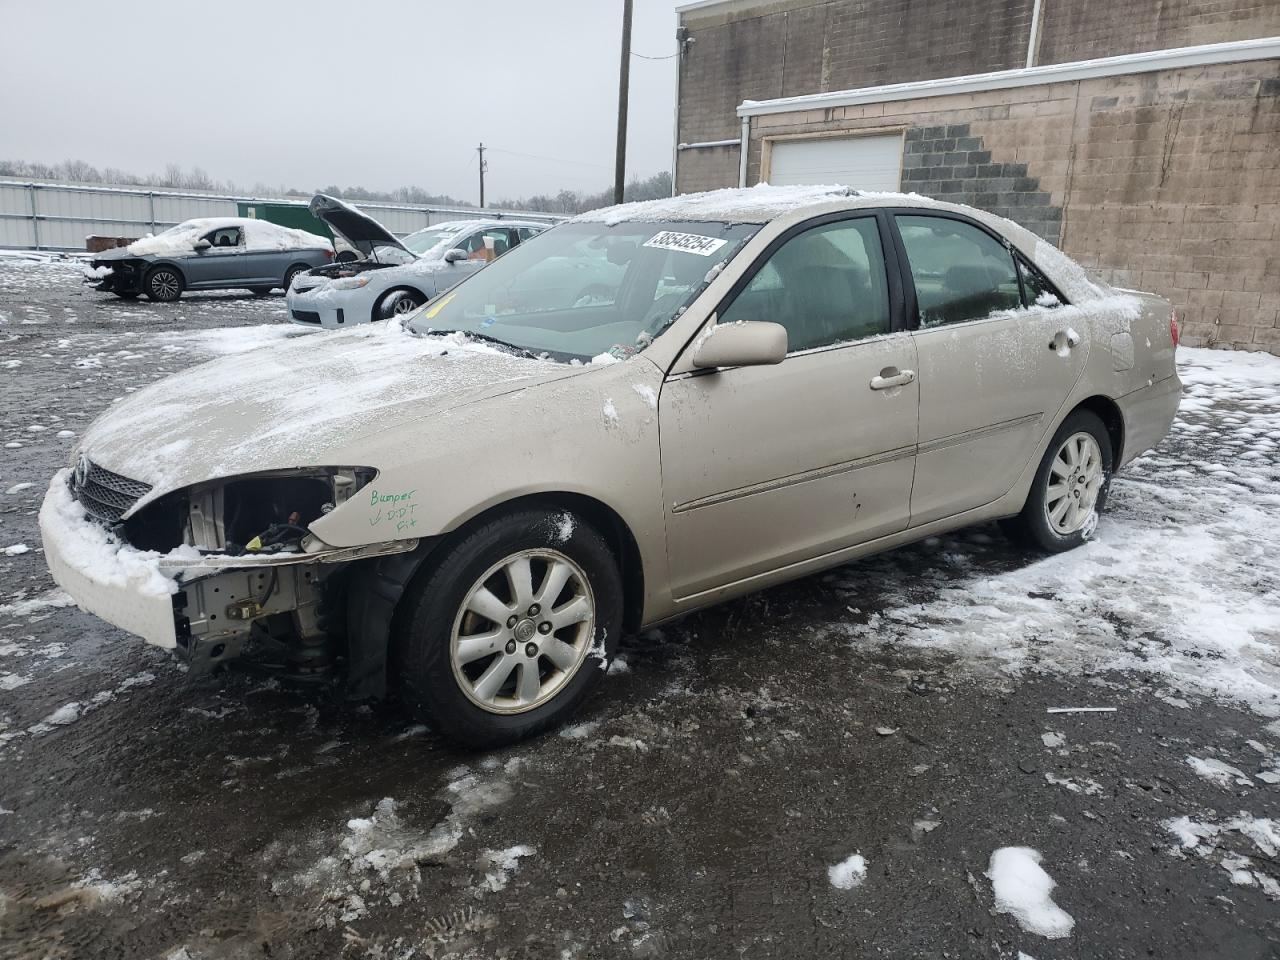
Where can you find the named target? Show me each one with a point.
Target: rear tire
(163, 284)
(260, 291)
(1070, 487)
(398, 303)
(510, 629)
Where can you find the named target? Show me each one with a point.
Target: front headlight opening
(265, 513)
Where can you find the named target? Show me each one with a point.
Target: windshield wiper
(522, 351)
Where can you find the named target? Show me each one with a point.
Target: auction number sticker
(685, 243)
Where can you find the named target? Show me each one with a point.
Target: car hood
(358, 229)
(115, 253)
(316, 399)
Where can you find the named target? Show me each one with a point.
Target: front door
(993, 373)
(768, 466)
(222, 265)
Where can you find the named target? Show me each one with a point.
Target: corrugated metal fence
(46, 215)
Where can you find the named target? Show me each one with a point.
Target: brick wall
(761, 49)
(1165, 181)
(1086, 29)
(783, 48)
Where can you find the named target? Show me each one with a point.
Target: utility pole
(484, 166)
(624, 83)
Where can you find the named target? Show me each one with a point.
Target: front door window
(826, 286)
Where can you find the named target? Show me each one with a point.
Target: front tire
(398, 303)
(1070, 487)
(260, 291)
(163, 284)
(511, 629)
(126, 294)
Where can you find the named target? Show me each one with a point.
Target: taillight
(328, 255)
(1173, 327)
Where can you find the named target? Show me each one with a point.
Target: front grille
(105, 496)
(306, 316)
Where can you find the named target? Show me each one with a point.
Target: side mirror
(202, 245)
(750, 343)
(454, 255)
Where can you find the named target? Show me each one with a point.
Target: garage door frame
(766, 144)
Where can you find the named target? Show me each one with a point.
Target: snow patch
(1215, 771)
(1022, 889)
(848, 873)
(647, 394)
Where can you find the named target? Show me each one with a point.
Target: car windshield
(583, 289)
(425, 240)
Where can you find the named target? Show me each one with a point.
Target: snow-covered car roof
(764, 203)
(258, 235)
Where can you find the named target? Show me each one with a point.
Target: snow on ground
(1211, 840)
(1022, 888)
(848, 873)
(1181, 583)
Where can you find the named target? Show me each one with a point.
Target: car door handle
(1063, 341)
(892, 377)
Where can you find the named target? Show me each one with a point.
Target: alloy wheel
(404, 305)
(164, 285)
(523, 631)
(1075, 478)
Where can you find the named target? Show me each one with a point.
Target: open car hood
(358, 229)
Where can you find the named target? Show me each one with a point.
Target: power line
(670, 56)
(534, 156)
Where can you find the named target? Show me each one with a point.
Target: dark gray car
(209, 254)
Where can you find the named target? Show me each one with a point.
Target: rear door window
(961, 272)
(1036, 287)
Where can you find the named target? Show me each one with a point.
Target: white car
(395, 276)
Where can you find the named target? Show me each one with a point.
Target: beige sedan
(471, 506)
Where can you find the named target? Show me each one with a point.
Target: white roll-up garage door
(865, 163)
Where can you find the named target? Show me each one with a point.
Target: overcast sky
(378, 93)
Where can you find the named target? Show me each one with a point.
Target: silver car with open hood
(393, 276)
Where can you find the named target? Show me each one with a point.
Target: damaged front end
(247, 570)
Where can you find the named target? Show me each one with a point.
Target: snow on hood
(757, 204)
(258, 235)
(358, 229)
(307, 401)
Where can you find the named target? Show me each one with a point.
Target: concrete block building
(1141, 136)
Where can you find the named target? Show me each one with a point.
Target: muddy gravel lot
(887, 719)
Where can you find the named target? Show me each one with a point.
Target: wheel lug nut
(511, 622)
(531, 650)
(544, 627)
(534, 610)
(511, 646)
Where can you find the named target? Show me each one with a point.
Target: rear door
(222, 265)
(267, 267)
(994, 372)
(769, 466)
